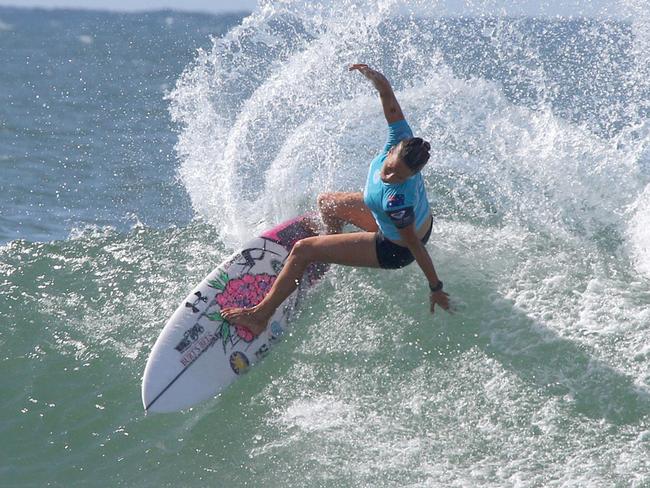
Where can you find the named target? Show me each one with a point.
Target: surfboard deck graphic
(198, 353)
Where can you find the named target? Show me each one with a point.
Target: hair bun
(414, 152)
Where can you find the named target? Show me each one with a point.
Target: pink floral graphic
(245, 292)
(244, 333)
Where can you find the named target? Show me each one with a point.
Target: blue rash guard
(395, 206)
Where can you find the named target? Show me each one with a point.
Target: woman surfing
(393, 213)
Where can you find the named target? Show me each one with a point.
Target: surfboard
(198, 353)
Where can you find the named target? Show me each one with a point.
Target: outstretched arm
(392, 110)
(423, 259)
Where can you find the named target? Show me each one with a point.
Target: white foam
(318, 414)
(639, 232)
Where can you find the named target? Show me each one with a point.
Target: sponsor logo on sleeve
(402, 218)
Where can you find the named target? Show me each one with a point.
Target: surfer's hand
(439, 298)
(363, 68)
(376, 77)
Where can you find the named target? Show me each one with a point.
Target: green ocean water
(538, 185)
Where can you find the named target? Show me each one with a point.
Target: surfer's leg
(353, 249)
(339, 208)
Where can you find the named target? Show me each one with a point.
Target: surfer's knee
(303, 250)
(325, 202)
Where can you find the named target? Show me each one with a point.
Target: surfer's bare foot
(250, 318)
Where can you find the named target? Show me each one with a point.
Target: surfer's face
(396, 167)
(402, 172)
(413, 152)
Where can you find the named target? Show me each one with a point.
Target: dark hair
(414, 151)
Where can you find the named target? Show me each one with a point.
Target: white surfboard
(198, 353)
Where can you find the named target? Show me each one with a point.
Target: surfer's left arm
(422, 257)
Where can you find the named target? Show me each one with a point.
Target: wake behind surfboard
(198, 353)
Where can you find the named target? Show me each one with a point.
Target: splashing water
(538, 179)
(270, 116)
(539, 183)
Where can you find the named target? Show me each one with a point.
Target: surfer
(393, 213)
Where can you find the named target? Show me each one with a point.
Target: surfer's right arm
(392, 110)
(422, 257)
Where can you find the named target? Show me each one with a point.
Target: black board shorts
(394, 256)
